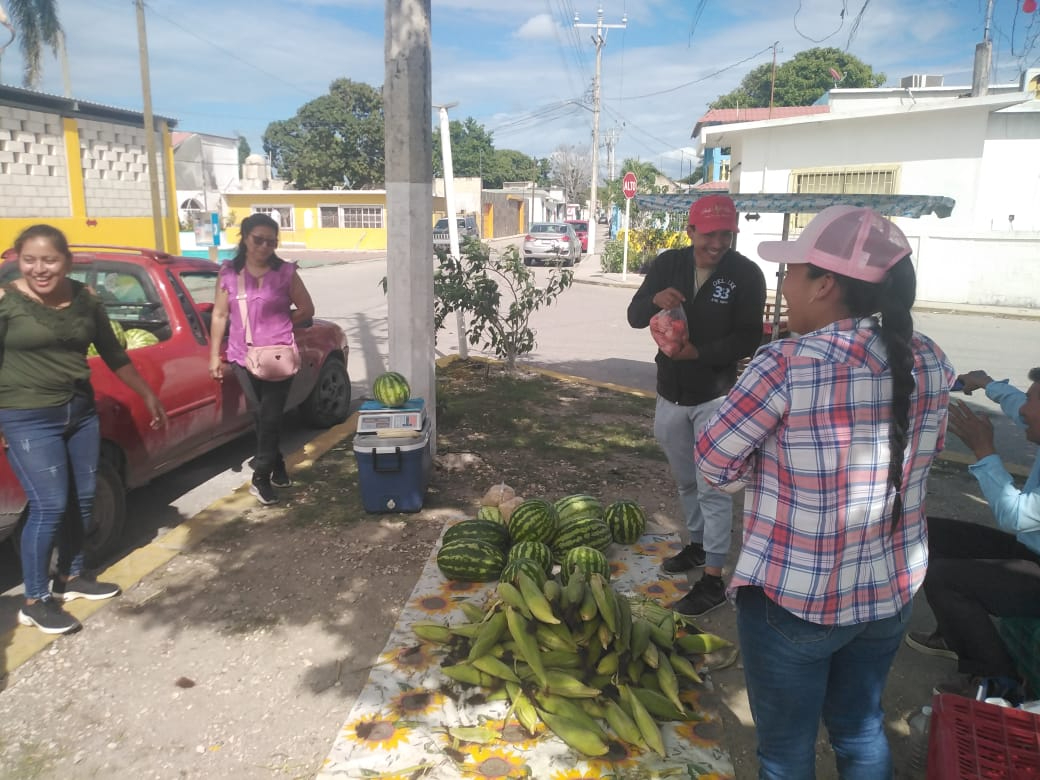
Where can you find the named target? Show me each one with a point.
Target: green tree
(472, 148)
(646, 174)
(511, 165)
(243, 152)
(334, 140)
(800, 81)
(35, 24)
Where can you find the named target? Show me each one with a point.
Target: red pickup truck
(171, 297)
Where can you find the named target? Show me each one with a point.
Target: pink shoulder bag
(273, 363)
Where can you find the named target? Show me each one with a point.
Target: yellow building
(318, 219)
(82, 167)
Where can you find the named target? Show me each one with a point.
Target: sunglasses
(261, 241)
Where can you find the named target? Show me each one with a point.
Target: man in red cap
(722, 295)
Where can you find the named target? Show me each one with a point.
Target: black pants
(267, 400)
(975, 572)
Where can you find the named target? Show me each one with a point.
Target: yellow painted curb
(21, 644)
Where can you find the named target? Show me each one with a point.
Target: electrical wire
(229, 53)
(704, 78)
(696, 20)
(562, 48)
(856, 23)
(794, 21)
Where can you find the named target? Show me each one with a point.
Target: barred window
(842, 181)
(283, 215)
(362, 216)
(329, 216)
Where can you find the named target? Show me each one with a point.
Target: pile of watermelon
(512, 534)
(132, 338)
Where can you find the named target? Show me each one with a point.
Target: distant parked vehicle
(581, 227)
(467, 227)
(553, 241)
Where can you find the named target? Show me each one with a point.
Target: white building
(205, 167)
(984, 152)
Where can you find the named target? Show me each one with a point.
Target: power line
(794, 21)
(696, 20)
(856, 23)
(228, 52)
(704, 78)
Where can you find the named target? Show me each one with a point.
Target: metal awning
(787, 203)
(913, 206)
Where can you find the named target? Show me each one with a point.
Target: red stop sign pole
(628, 186)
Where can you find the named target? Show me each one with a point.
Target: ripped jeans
(51, 450)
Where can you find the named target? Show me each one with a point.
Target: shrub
(644, 244)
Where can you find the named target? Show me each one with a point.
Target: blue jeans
(798, 672)
(48, 450)
(707, 512)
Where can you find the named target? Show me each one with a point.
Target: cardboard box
(393, 473)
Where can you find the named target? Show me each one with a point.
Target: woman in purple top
(277, 300)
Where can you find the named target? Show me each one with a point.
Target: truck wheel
(106, 533)
(329, 401)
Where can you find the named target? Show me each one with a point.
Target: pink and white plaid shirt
(806, 430)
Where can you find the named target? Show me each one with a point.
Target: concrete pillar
(407, 107)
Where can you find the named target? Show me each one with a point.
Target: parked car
(554, 241)
(172, 298)
(467, 228)
(581, 227)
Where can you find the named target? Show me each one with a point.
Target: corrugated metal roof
(43, 101)
(723, 116)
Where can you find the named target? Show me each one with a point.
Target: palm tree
(35, 23)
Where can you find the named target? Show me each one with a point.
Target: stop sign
(628, 185)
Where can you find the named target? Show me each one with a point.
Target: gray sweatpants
(708, 512)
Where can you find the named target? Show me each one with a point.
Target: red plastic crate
(972, 740)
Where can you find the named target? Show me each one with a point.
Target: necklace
(700, 276)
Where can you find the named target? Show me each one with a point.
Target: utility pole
(983, 58)
(611, 142)
(449, 206)
(772, 80)
(149, 128)
(407, 104)
(600, 40)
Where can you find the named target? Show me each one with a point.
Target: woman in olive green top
(47, 417)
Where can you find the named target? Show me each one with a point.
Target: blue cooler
(393, 472)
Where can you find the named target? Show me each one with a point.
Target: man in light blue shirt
(975, 572)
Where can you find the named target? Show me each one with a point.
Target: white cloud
(538, 28)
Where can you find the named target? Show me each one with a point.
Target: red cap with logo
(712, 213)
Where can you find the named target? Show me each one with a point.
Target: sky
(518, 67)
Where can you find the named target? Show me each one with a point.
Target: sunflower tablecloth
(398, 727)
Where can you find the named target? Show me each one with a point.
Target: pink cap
(713, 212)
(847, 240)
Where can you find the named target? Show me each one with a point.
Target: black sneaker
(706, 594)
(261, 488)
(689, 557)
(81, 587)
(930, 644)
(48, 616)
(280, 477)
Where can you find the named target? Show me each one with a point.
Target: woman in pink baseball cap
(833, 434)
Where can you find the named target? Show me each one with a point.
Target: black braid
(892, 298)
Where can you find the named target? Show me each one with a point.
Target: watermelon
(588, 531)
(470, 560)
(577, 506)
(391, 389)
(533, 520)
(626, 520)
(138, 337)
(483, 530)
(537, 551)
(531, 568)
(120, 333)
(492, 513)
(587, 560)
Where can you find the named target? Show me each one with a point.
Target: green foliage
(646, 173)
(800, 81)
(473, 153)
(498, 295)
(644, 244)
(35, 24)
(243, 152)
(334, 140)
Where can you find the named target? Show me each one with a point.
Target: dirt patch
(243, 656)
